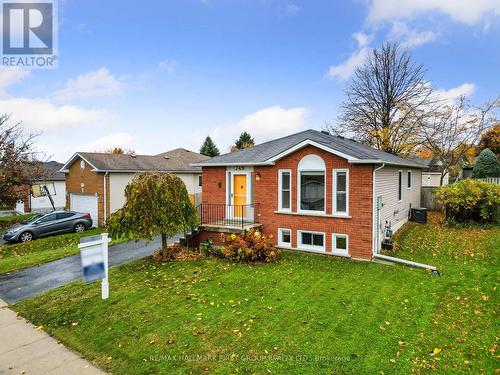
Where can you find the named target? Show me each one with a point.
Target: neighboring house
(312, 191)
(431, 174)
(55, 182)
(95, 182)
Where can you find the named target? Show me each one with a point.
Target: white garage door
(85, 203)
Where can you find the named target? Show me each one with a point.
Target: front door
(239, 195)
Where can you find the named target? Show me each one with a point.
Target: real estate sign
(94, 257)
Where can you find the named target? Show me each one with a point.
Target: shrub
(175, 252)
(252, 246)
(469, 200)
(486, 165)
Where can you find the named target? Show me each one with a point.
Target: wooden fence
(428, 198)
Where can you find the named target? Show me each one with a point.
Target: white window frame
(200, 180)
(281, 243)
(301, 246)
(400, 186)
(334, 244)
(334, 191)
(280, 185)
(409, 176)
(299, 171)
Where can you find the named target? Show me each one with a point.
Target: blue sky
(156, 75)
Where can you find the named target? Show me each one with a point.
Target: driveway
(18, 285)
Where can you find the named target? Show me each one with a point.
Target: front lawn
(22, 255)
(7, 221)
(306, 314)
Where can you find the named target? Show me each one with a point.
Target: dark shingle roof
(261, 153)
(52, 171)
(177, 160)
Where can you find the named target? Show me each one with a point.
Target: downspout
(376, 250)
(105, 197)
(376, 239)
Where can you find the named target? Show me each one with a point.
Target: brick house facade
(359, 227)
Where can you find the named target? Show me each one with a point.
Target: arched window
(311, 175)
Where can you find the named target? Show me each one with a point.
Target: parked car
(55, 222)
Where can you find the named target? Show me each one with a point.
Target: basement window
(314, 241)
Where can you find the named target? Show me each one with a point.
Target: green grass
(22, 255)
(7, 221)
(306, 314)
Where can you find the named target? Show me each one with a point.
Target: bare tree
(454, 129)
(19, 164)
(386, 101)
(119, 151)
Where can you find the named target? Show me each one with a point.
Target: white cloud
(169, 65)
(346, 69)
(42, 115)
(362, 39)
(466, 11)
(264, 124)
(123, 140)
(292, 9)
(9, 77)
(465, 89)
(97, 83)
(410, 38)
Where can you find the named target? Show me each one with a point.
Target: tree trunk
(164, 241)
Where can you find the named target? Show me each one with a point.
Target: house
(312, 191)
(95, 182)
(55, 182)
(431, 173)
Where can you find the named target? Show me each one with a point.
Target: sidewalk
(24, 350)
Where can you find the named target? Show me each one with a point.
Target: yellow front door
(240, 194)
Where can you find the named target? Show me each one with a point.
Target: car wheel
(26, 237)
(79, 228)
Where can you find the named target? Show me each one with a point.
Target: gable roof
(177, 160)
(267, 153)
(52, 171)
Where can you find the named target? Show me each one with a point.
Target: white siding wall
(433, 179)
(386, 185)
(118, 182)
(42, 204)
(191, 182)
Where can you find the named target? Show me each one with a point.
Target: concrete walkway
(25, 350)
(18, 285)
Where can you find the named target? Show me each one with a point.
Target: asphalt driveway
(18, 285)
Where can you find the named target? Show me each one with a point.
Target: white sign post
(94, 256)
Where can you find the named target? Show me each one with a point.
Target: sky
(157, 75)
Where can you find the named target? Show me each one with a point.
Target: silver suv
(56, 222)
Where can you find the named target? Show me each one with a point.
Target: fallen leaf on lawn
(436, 351)
(477, 312)
(485, 297)
(39, 328)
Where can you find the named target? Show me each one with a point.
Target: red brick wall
(358, 227)
(93, 184)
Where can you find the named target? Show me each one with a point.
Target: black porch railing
(228, 215)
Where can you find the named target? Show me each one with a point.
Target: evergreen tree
(244, 141)
(487, 165)
(209, 148)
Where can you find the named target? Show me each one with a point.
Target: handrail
(229, 215)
